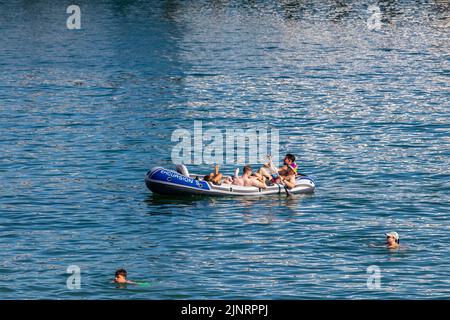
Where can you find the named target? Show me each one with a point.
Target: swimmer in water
(121, 277)
(392, 240)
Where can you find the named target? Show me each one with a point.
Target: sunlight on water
(85, 113)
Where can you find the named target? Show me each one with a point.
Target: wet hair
(246, 169)
(121, 272)
(290, 156)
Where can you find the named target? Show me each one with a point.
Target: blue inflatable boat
(180, 182)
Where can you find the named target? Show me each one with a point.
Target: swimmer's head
(121, 273)
(392, 238)
(247, 169)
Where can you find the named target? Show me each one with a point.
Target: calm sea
(361, 97)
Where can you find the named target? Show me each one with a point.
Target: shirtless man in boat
(247, 179)
(286, 174)
(268, 173)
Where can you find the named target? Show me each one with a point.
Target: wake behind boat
(180, 182)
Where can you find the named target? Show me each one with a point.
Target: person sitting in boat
(287, 173)
(247, 179)
(287, 176)
(214, 177)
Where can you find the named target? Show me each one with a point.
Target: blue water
(85, 113)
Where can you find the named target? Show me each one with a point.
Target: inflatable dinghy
(180, 182)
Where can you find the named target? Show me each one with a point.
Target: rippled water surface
(85, 113)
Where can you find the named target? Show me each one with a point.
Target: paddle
(288, 193)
